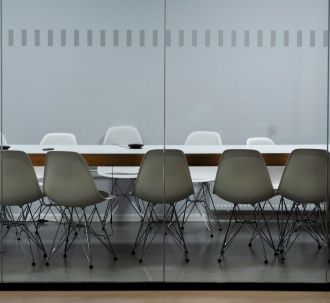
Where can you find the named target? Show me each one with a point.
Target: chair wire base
(237, 218)
(150, 227)
(113, 205)
(298, 219)
(200, 201)
(21, 224)
(71, 230)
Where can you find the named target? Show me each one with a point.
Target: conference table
(116, 161)
(197, 155)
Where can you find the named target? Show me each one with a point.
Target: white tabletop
(198, 173)
(187, 149)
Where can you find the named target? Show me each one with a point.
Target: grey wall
(245, 89)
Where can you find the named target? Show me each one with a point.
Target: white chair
(150, 188)
(19, 188)
(121, 136)
(243, 179)
(274, 171)
(203, 138)
(202, 176)
(59, 139)
(259, 141)
(54, 139)
(51, 139)
(69, 183)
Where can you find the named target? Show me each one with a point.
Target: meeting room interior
(164, 143)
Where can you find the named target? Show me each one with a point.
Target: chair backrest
(164, 167)
(243, 177)
(18, 182)
(304, 177)
(203, 138)
(122, 135)
(68, 181)
(260, 141)
(59, 139)
(4, 141)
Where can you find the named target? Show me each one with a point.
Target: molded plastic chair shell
(203, 138)
(150, 183)
(68, 181)
(260, 141)
(304, 177)
(122, 135)
(18, 180)
(243, 178)
(59, 139)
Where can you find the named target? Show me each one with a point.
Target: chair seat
(118, 172)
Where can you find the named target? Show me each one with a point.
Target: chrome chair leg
(237, 218)
(172, 227)
(25, 228)
(89, 251)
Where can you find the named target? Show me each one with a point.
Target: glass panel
(2, 143)
(82, 67)
(236, 69)
(243, 69)
(326, 228)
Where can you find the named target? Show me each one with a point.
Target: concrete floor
(305, 263)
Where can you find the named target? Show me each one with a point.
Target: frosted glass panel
(83, 77)
(255, 74)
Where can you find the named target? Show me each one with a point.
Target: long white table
(206, 155)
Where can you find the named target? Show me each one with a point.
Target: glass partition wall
(164, 141)
(90, 78)
(241, 77)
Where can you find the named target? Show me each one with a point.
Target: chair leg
(181, 234)
(259, 231)
(254, 233)
(184, 214)
(89, 251)
(283, 226)
(271, 241)
(146, 236)
(25, 228)
(192, 204)
(222, 250)
(208, 215)
(68, 234)
(140, 234)
(259, 208)
(36, 238)
(213, 206)
(109, 244)
(55, 245)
